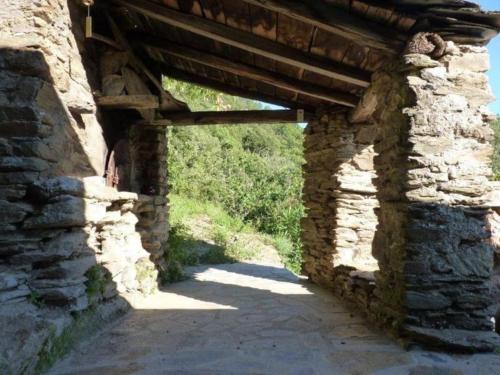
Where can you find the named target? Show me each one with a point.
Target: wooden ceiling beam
(247, 71)
(248, 42)
(128, 102)
(212, 84)
(233, 118)
(339, 22)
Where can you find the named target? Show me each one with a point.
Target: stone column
(150, 180)
(340, 199)
(432, 243)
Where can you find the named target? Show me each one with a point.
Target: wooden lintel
(248, 42)
(228, 89)
(339, 22)
(247, 71)
(128, 102)
(233, 118)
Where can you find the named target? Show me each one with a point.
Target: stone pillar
(340, 199)
(150, 180)
(433, 165)
(317, 226)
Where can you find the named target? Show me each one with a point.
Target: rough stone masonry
(427, 181)
(71, 248)
(400, 218)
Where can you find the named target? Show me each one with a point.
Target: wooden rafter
(248, 42)
(233, 117)
(128, 102)
(188, 77)
(339, 22)
(167, 100)
(247, 71)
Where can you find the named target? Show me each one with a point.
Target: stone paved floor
(253, 319)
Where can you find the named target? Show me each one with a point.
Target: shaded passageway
(253, 319)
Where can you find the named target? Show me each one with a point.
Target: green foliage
(220, 230)
(496, 155)
(252, 172)
(97, 279)
(83, 326)
(35, 299)
(288, 253)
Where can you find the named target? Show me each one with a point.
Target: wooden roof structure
(296, 54)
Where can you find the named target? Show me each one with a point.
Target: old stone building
(402, 219)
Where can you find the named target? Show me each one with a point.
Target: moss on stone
(84, 325)
(35, 299)
(97, 279)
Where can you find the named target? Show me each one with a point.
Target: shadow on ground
(252, 319)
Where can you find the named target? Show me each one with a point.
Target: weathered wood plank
(248, 42)
(256, 74)
(232, 117)
(231, 90)
(339, 22)
(128, 102)
(167, 100)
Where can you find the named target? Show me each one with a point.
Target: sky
(494, 48)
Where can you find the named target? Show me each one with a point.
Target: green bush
(254, 172)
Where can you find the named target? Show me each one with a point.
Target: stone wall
(46, 27)
(340, 198)
(433, 242)
(67, 242)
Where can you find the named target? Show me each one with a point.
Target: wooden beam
(128, 102)
(248, 42)
(106, 40)
(243, 70)
(339, 22)
(168, 102)
(233, 118)
(212, 84)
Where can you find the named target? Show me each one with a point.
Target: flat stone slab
(253, 319)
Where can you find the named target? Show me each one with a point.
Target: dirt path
(253, 319)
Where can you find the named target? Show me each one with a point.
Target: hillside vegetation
(240, 178)
(236, 190)
(496, 156)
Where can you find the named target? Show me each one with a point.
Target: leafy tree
(253, 171)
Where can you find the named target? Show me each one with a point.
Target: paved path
(253, 319)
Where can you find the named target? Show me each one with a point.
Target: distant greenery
(222, 238)
(216, 239)
(496, 156)
(252, 172)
